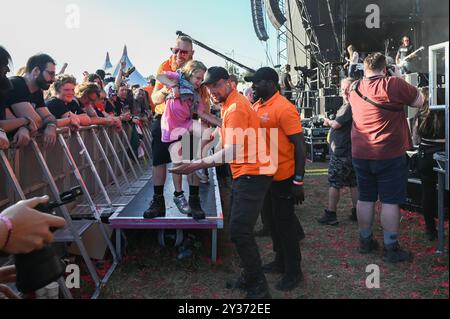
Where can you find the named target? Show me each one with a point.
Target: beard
(42, 84)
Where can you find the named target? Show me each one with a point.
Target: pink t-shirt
(177, 118)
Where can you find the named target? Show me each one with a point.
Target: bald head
(183, 50)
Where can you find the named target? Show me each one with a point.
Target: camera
(41, 267)
(391, 69)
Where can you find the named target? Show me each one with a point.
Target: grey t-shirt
(285, 81)
(340, 140)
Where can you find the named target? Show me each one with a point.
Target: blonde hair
(21, 71)
(191, 67)
(86, 88)
(188, 70)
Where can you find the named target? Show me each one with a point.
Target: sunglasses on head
(176, 51)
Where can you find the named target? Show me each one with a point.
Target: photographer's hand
(30, 228)
(7, 293)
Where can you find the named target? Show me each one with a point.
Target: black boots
(393, 253)
(328, 218)
(157, 208)
(289, 281)
(367, 245)
(196, 210)
(256, 289)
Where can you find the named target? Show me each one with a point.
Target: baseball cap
(215, 74)
(265, 73)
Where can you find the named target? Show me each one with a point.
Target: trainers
(182, 204)
(367, 245)
(354, 216)
(273, 267)
(196, 210)
(328, 218)
(393, 253)
(289, 282)
(157, 208)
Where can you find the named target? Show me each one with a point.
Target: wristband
(297, 183)
(28, 126)
(9, 226)
(298, 178)
(49, 120)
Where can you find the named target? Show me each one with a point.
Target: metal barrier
(85, 155)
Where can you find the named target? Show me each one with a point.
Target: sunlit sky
(147, 27)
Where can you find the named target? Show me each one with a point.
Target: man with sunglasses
(26, 99)
(182, 53)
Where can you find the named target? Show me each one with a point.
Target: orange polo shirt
(168, 65)
(279, 113)
(240, 127)
(149, 89)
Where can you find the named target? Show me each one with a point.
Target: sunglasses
(176, 51)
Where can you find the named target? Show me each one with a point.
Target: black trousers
(247, 199)
(279, 212)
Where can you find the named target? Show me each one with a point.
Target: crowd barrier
(100, 160)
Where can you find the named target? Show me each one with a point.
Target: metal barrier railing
(81, 157)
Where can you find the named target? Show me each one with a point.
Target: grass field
(332, 266)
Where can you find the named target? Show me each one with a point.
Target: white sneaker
(182, 204)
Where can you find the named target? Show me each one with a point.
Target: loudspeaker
(258, 20)
(276, 17)
(330, 104)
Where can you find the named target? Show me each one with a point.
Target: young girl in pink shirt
(184, 105)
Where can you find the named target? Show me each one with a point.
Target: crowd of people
(262, 142)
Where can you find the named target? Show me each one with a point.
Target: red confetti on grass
(345, 265)
(444, 284)
(436, 292)
(416, 295)
(442, 268)
(198, 290)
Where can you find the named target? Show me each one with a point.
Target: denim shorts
(384, 180)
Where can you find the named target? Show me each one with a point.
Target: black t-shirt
(285, 79)
(405, 51)
(120, 106)
(2, 108)
(58, 107)
(109, 107)
(21, 93)
(340, 140)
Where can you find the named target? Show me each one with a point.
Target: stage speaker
(412, 78)
(276, 17)
(329, 105)
(258, 20)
